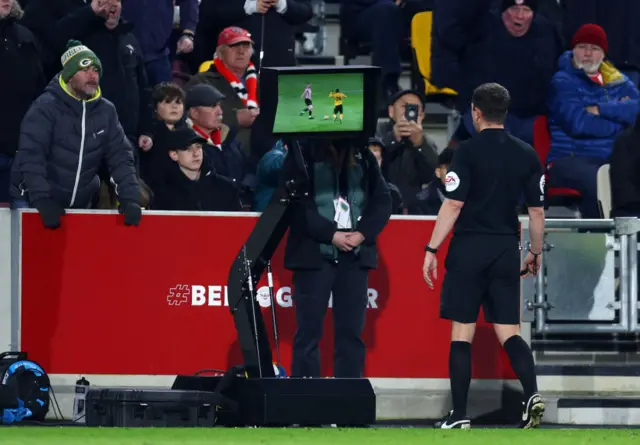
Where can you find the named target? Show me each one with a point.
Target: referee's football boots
(450, 422)
(533, 411)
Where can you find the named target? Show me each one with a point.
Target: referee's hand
(531, 264)
(430, 269)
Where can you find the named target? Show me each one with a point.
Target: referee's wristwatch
(430, 249)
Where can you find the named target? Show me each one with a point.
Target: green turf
(299, 436)
(290, 103)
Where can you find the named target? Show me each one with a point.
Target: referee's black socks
(522, 363)
(459, 377)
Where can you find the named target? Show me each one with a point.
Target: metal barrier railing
(589, 279)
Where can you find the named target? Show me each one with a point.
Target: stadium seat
(350, 49)
(421, 24)
(564, 197)
(604, 191)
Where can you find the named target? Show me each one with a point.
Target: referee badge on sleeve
(451, 181)
(542, 183)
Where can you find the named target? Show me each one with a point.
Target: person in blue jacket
(268, 174)
(590, 104)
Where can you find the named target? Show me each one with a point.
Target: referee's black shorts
(337, 109)
(482, 270)
(307, 102)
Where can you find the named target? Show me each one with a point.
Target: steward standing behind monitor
(488, 174)
(331, 248)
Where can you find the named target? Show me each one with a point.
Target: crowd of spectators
(573, 63)
(122, 104)
(110, 109)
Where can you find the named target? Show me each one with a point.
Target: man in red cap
(279, 18)
(590, 103)
(235, 76)
(272, 24)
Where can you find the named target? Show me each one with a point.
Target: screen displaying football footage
(319, 103)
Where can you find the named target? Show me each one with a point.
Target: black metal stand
(254, 256)
(258, 397)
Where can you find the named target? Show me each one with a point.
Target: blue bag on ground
(24, 389)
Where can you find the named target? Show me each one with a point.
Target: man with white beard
(590, 103)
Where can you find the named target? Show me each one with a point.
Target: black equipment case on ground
(279, 402)
(150, 408)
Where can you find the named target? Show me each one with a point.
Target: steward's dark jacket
(309, 230)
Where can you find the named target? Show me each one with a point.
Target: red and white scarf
(597, 78)
(248, 91)
(213, 138)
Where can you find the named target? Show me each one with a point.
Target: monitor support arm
(251, 262)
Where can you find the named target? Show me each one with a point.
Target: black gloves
(50, 212)
(132, 213)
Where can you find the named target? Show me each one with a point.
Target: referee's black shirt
(490, 173)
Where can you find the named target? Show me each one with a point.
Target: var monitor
(327, 101)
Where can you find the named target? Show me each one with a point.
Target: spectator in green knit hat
(81, 70)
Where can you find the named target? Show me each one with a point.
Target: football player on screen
(338, 97)
(308, 106)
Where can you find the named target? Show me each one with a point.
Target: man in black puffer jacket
(65, 136)
(97, 24)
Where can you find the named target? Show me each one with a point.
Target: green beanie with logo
(78, 57)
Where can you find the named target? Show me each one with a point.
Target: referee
(488, 175)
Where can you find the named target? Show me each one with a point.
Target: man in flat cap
(205, 116)
(234, 75)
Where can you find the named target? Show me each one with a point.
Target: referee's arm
(457, 186)
(447, 217)
(534, 196)
(536, 228)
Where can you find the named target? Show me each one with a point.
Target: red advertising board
(102, 298)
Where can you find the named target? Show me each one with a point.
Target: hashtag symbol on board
(178, 295)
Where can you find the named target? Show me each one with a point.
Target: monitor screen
(326, 102)
(338, 102)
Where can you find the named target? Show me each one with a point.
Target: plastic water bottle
(79, 400)
(279, 371)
